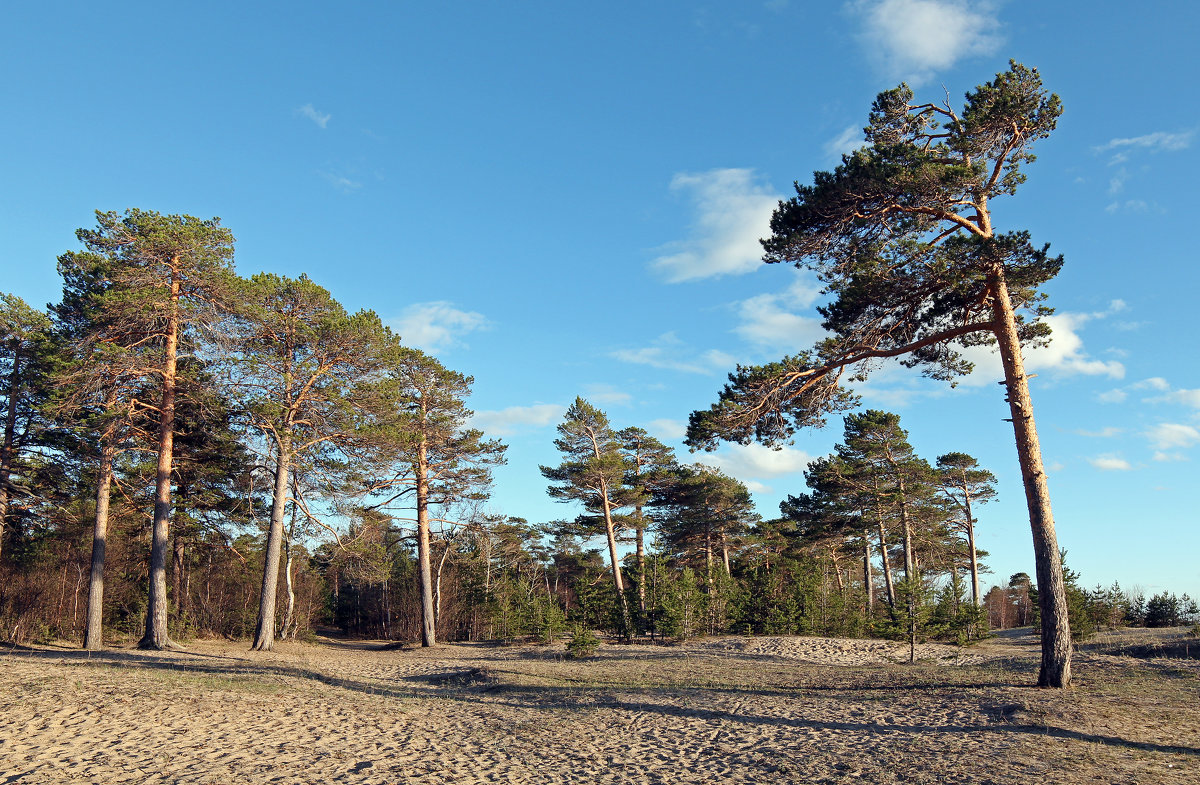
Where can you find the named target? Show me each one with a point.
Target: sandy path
(729, 710)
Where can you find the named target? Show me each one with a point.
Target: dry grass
(730, 710)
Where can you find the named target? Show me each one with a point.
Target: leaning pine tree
(901, 235)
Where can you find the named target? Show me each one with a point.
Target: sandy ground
(729, 710)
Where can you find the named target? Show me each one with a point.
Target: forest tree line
(190, 452)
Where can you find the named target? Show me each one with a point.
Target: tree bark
(437, 582)
(1055, 668)
(425, 567)
(289, 610)
(177, 554)
(264, 633)
(868, 578)
(975, 598)
(93, 636)
(611, 532)
(156, 605)
(883, 551)
(640, 552)
(8, 446)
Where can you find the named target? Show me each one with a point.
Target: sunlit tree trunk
(264, 633)
(1055, 669)
(424, 562)
(156, 636)
(93, 636)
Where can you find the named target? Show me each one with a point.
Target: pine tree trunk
(640, 551)
(93, 636)
(611, 532)
(883, 551)
(975, 597)
(1052, 596)
(837, 570)
(156, 606)
(868, 578)
(177, 555)
(906, 528)
(425, 567)
(8, 448)
(289, 610)
(437, 582)
(264, 632)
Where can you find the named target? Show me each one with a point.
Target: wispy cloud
(320, 119)
(1103, 433)
(771, 321)
(1154, 389)
(667, 429)
(752, 463)
(913, 39)
(436, 326)
(341, 182)
(1157, 142)
(733, 211)
(506, 422)
(606, 394)
(1111, 462)
(1172, 436)
(1065, 355)
(670, 353)
(849, 140)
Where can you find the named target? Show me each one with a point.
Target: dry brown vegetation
(809, 710)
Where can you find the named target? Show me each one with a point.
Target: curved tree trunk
(1052, 595)
(93, 636)
(156, 606)
(264, 632)
(611, 532)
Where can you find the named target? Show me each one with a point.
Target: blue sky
(564, 199)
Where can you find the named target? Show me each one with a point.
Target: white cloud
(667, 429)
(732, 213)
(849, 140)
(1169, 457)
(1110, 462)
(757, 461)
(914, 38)
(1156, 383)
(770, 321)
(1186, 397)
(1103, 433)
(1130, 205)
(1064, 355)
(1157, 142)
(1172, 436)
(606, 394)
(670, 353)
(506, 422)
(1161, 392)
(437, 325)
(319, 118)
(341, 182)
